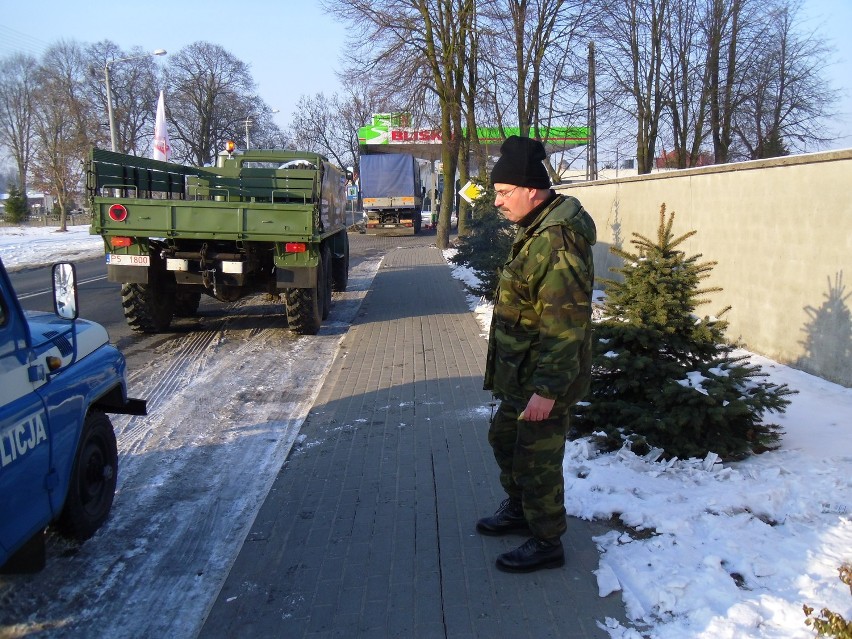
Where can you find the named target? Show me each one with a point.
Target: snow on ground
(731, 550)
(24, 246)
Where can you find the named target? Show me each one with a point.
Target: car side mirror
(65, 290)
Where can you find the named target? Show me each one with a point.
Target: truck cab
(59, 377)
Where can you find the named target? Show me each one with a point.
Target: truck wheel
(340, 268)
(304, 305)
(149, 308)
(327, 281)
(186, 303)
(92, 484)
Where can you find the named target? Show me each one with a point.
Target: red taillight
(117, 213)
(295, 247)
(119, 242)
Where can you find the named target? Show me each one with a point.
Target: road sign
(351, 193)
(470, 192)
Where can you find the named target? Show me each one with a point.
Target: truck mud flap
(296, 277)
(127, 274)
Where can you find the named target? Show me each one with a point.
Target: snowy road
(225, 406)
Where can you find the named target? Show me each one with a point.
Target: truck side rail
(126, 173)
(279, 186)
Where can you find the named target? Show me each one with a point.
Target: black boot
(534, 554)
(509, 518)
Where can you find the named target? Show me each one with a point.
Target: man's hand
(538, 409)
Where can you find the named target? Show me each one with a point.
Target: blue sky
(293, 48)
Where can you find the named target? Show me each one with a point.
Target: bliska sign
(20, 439)
(432, 136)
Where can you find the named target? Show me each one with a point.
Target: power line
(12, 41)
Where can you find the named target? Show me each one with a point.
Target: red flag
(162, 150)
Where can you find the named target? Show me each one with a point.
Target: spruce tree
(664, 378)
(487, 244)
(16, 206)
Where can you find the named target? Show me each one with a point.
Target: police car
(59, 377)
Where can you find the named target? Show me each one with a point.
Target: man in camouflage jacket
(539, 352)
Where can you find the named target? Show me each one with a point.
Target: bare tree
(329, 125)
(728, 57)
(356, 108)
(688, 81)
(631, 35)
(60, 124)
(17, 89)
(210, 96)
(533, 64)
(785, 96)
(542, 67)
(134, 86)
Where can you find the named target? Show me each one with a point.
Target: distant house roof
(31, 195)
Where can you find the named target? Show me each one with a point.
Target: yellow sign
(470, 192)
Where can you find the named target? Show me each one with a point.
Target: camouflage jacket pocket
(515, 352)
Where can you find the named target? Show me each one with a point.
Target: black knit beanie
(520, 164)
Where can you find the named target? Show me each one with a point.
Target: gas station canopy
(391, 133)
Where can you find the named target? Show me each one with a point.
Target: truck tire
(305, 305)
(149, 308)
(91, 487)
(186, 303)
(340, 268)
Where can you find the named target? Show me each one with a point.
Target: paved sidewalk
(368, 530)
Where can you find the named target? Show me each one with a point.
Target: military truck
(59, 377)
(391, 192)
(259, 221)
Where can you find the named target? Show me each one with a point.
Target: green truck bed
(258, 220)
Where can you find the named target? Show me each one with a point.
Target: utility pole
(592, 146)
(248, 123)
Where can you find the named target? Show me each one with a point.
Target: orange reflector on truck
(296, 247)
(119, 242)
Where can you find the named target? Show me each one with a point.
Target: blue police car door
(24, 431)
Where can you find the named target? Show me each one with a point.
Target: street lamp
(109, 90)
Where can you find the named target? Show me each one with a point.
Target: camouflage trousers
(530, 456)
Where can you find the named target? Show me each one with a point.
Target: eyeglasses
(505, 194)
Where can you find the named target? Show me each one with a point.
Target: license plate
(390, 226)
(128, 260)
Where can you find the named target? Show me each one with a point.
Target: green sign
(391, 128)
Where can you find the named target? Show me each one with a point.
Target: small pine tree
(487, 244)
(664, 378)
(16, 206)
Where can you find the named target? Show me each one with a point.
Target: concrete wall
(781, 232)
